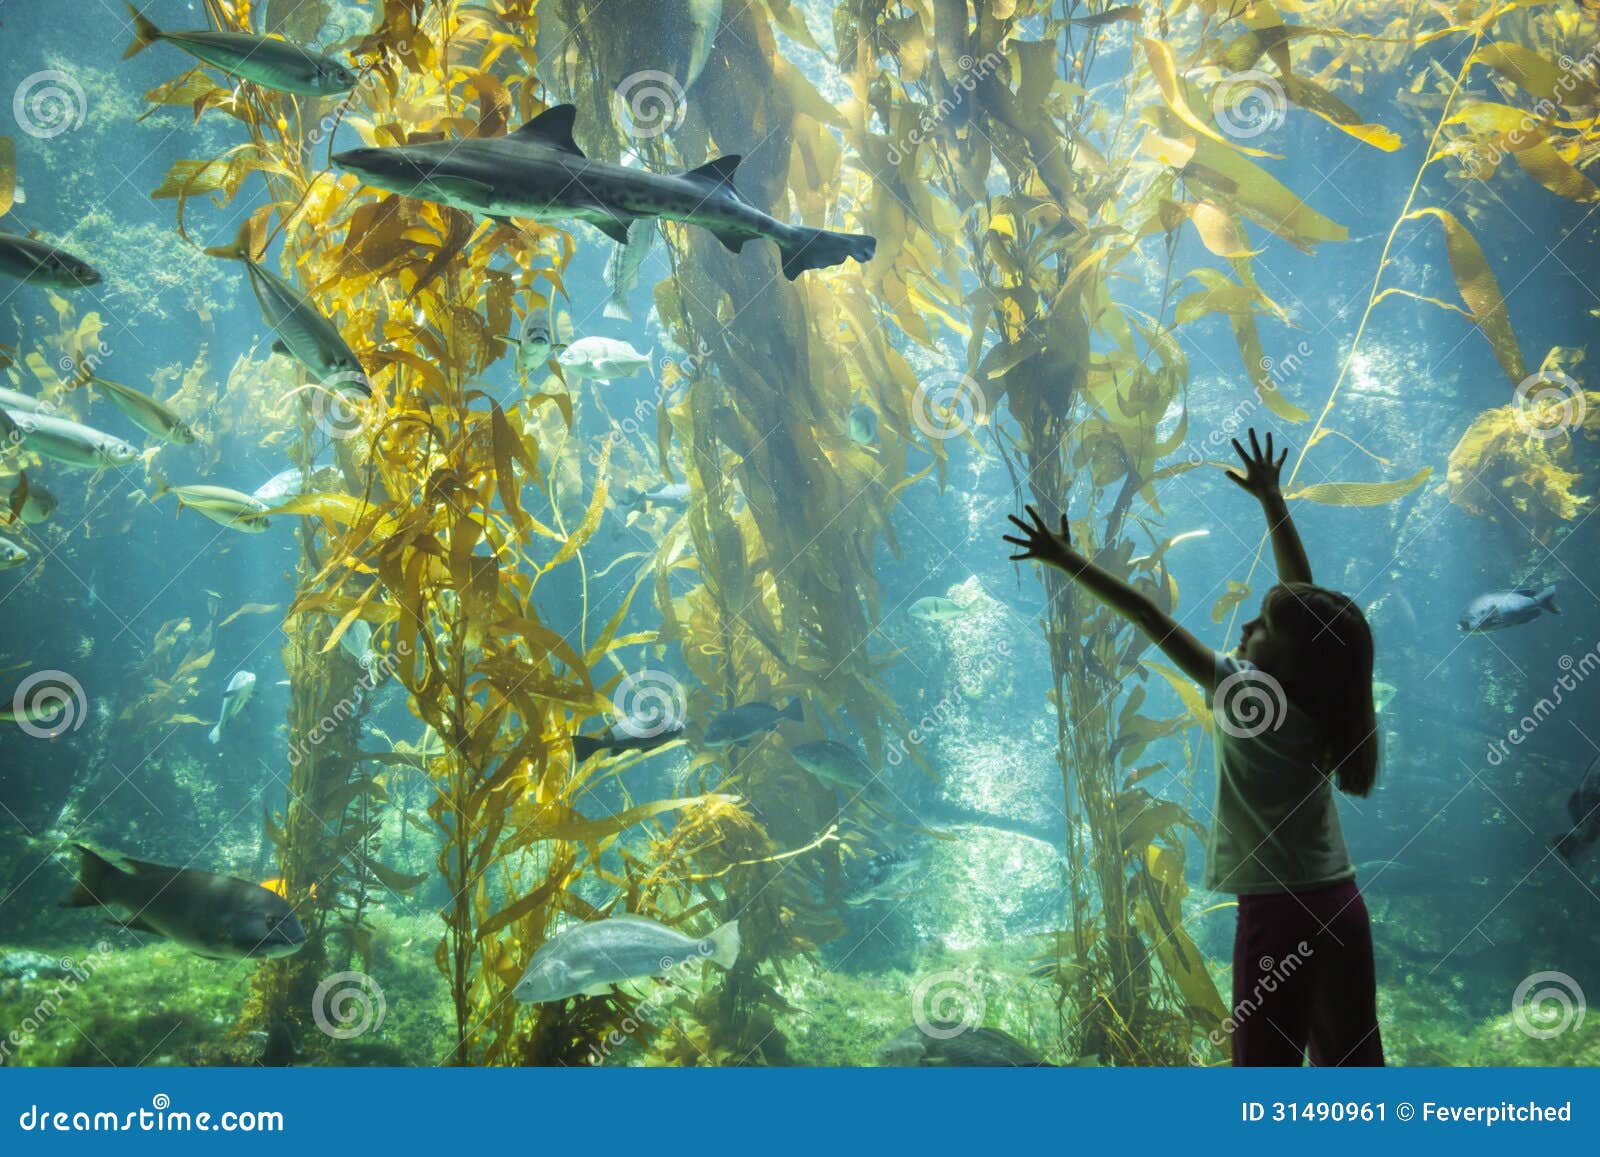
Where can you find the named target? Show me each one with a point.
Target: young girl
(1293, 715)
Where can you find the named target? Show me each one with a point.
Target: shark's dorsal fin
(552, 127)
(716, 173)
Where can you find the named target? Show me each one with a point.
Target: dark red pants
(1303, 977)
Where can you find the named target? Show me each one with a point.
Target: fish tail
(725, 945)
(144, 33)
(239, 250)
(794, 711)
(584, 746)
(1547, 599)
(804, 249)
(90, 890)
(215, 734)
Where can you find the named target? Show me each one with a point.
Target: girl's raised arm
(1260, 478)
(1192, 657)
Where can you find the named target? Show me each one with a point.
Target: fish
(1583, 808)
(1501, 609)
(674, 494)
(886, 876)
(145, 412)
(951, 1044)
(29, 501)
(1382, 695)
(622, 267)
(601, 359)
(18, 402)
(539, 173)
(748, 720)
(864, 425)
(705, 17)
(28, 260)
(626, 736)
(287, 483)
(221, 504)
(589, 958)
(240, 688)
(937, 609)
(304, 334)
(71, 442)
(357, 642)
(264, 60)
(11, 555)
(220, 917)
(534, 346)
(834, 764)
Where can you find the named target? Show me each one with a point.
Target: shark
(538, 173)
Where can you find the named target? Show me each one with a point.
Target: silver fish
(145, 412)
(622, 267)
(937, 609)
(538, 172)
(71, 442)
(221, 504)
(287, 483)
(705, 17)
(533, 345)
(590, 958)
(30, 260)
(264, 60)
(11, 555)
(1501, 609)
(864, 426)
(16, 400)
(674, 494)
(602, 359)
(240, 688)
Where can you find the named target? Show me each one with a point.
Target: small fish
(622, 267)
(1583, 808)
(240, 688)
(357, 642)
(590, 958)
(705, 17)
(145, 412)
(674, 494)
(864, 426)
(30, 502)
(287, 483)
(635, 736)
(887, 875)
(71, 442)
(222, 505)
(1382, 695)
(304, 334)
(15, 401)
(269, 62)
(216, 916)
(534, 347)
(601, 359)
(11, 555)
(1500, 609)
(952, 1044)
(937, 609)
(748, 720)
(30, 260)
(834, 764)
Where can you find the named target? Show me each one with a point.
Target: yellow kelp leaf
(248, 609)
(554, 822)
(591, 517)
(507, 449)
(8, 174)
(1341, 116)
(1479, 289)
(350, 616)
(1129, 12)
(1173, 90)
(1225, 296)
(1141, 817)
(1501, 471)
(1536, 75)
(1218, 231)
(1193, 701)
(1361, 493)
(343, 508)
(1235, 594)
(1551, 170)
(1180, 957)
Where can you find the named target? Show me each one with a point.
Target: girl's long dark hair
(1336, 682)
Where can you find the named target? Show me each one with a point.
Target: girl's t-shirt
(1275, 827)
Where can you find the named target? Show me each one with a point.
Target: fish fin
(819, 249)
(280, 349)
(615, 228)
(617, 309)
(144, 33)
(464, 187)
(552, 127)
(725, 945)
(503, 220)
(215, 734)
(732, 242)
(1547, 599)
(584, 746)
(596, 990)
(794, 711)
(717, 173)
(239, 250)
(94, 870)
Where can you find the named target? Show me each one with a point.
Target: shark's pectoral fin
(462, 189)
(553, 127)
(279, 348)
(734, 242)
(615, 228)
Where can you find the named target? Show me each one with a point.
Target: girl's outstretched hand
(1040, 542)
(1260, 475)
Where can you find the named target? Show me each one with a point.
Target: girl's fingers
(1022, 526)
(1236, 479)
(1282, 457)
(1255, 446)
(1014, 541)
(1066, 532)
(1269, 445)
(1020, 557)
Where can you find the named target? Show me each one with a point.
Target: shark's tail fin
(1547, 599)
(239, 250)
(805, 249)
(94, 870)
(584, 746)
(144, 33)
